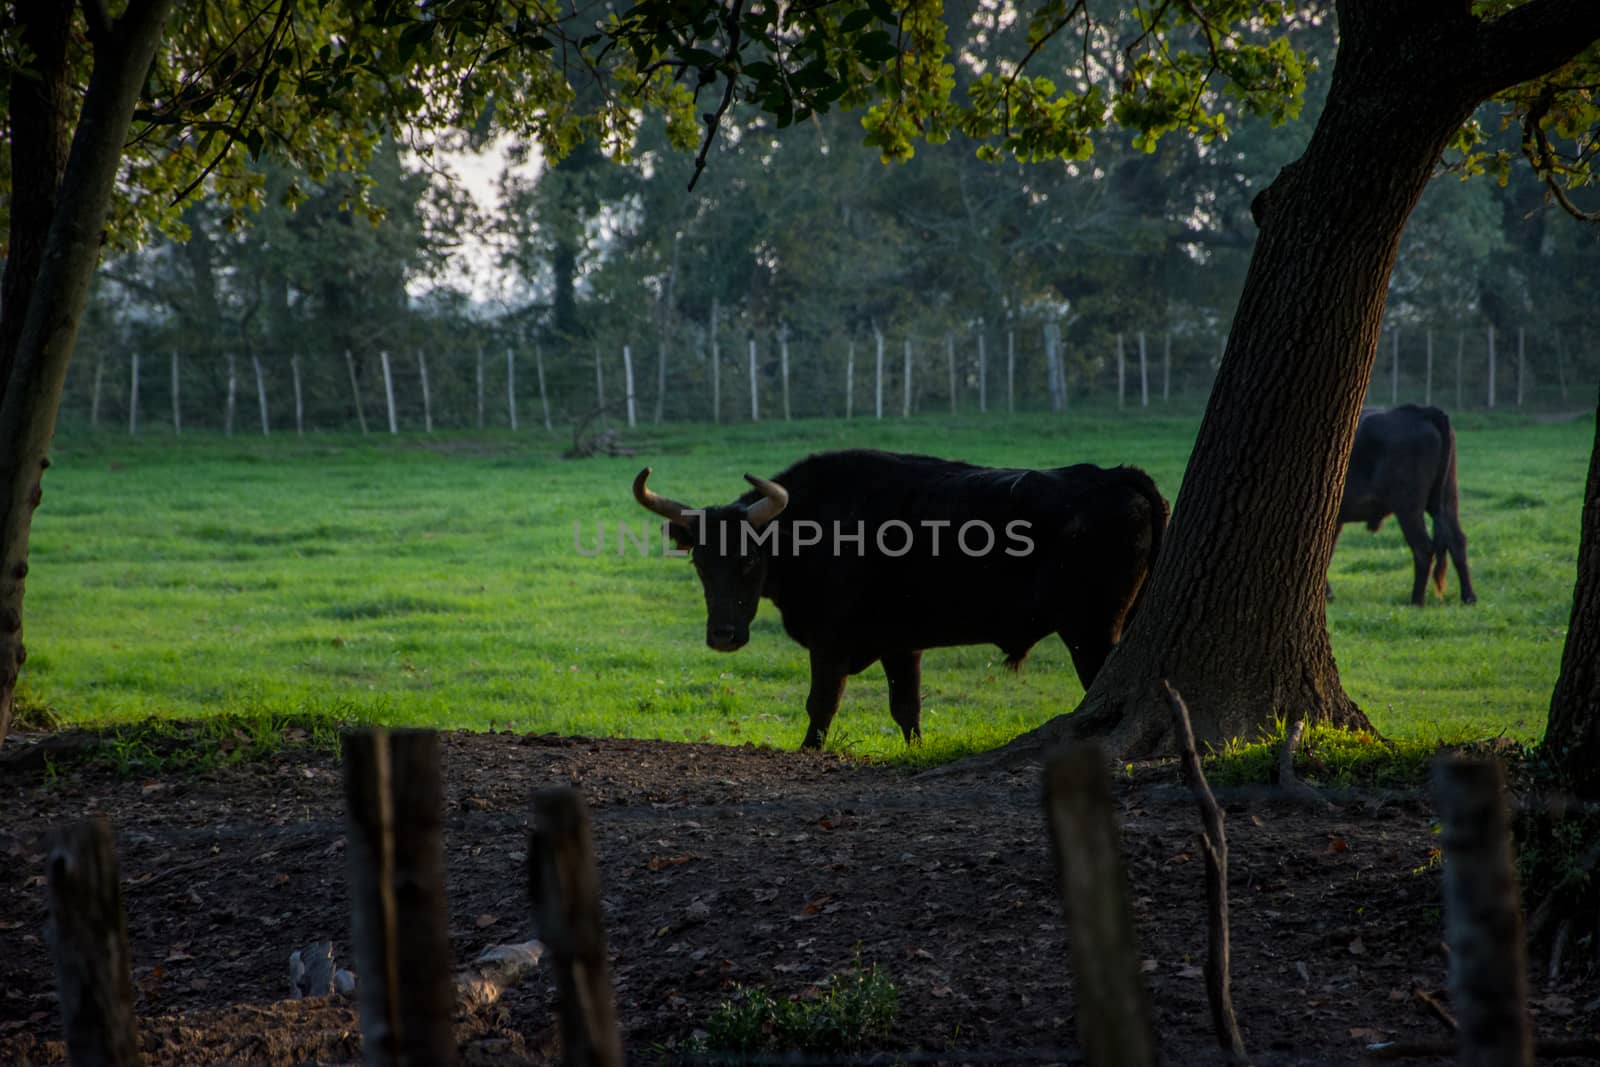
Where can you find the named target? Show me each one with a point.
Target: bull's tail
(1444, 499)
(1145, 487)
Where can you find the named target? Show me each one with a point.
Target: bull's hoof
(1469, 598)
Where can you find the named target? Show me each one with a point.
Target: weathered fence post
(133, 395)
(399, 924)
(1144, 374)
(564, 886)
(599, 388)
(89, 943)
(850, 380)
(299, 397)
(261, 393)
(878, 408)
(511, 386)
(544, 397)
(1054, 377)
(627, 384)
(1112, 1009)
(427, 394)
(1214, 844)
(1394, 370)
(716, 366)
(388, 392)
(950, 365)
(479, 383)
(983, 374)
(905, 407)
(783, 366)
(755, 402)
(355, 390)
(1011, 372)
(1522, 362)
(661, 376)
(1482, 916)
(177, 408)
(94, 389)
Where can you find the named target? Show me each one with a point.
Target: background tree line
(806, 248)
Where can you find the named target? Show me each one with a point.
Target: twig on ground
(1299, 791)
(1214, 844)
(1436, 1008)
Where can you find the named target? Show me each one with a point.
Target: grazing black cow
(1403, 463)
(880, 556)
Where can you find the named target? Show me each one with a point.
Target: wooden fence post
(427, 394)
(755, 400)
(544, 397)
(1011, 372)
(1482, 916)
(1522, 362)
(564, 886)
(905, 406)
(355, 390)
(661, 377)
(89, 943)
(511, 386)
(850, 380)
(716, 366)
(627, 384)
(878, 408)
(133, 395)
(479, 382)
(94, 389)
(177, 407)
(599, 388)
(261, 393)
(299, 397)
(950, 365)
(1394, 369)
(783, 366)
(1144, 374)
(1113, 1011)
(388, 392)
(983, 374)
(399, 924)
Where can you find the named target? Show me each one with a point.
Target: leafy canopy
(317, 83)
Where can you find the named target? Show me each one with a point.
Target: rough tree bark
(1572, 737)
(45, 294)
(1235, 614)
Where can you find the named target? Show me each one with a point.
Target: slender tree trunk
(850, 380)
(511, 386)
(230, 405)
(299, 397)
(755, 398)
(261, 393)
(1144, 374)
(1572, 737)
(1122, 375)
(427, 394)
(661, 378)
(544, 397)
(49, 291)
(627, 384)
(94, 390)
(1235, 621)
(905, 407)
(479, 382)
(878, 405)
(355, 390)
(783, 368)
(388, 392)
(983, 375)
(716, 365)
(1011, 372)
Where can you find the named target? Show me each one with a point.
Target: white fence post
(878, 409)
(388, 392)
(261, 393)
(511, 386)
(1491, 368)
(1122, 374)
(755, 402)
(427, 394)
(355, 390)
(299, 397)
(905, 406)
(177, 409)
(850, 380)
(1144, 374)
(544, 397)
(983, 374)
(133, 397)
(627, 383)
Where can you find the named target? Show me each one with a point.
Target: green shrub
(844, 1013)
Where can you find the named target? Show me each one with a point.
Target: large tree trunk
(50, 299)
(1235, 615)
(1572, 738)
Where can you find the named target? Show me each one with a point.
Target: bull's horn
(668, 509)
(774, 498)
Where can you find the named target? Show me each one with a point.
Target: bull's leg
(904, 671)
(1457, 543)
(822, 703)
(1421, 553)
(1088, 656)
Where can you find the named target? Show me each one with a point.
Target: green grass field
(435, 581)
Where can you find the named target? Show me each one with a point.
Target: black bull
(1403, 462)
(879, 556)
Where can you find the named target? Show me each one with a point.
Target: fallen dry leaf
(483, 922)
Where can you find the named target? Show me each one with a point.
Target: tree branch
(1529, 41)
(99, 20)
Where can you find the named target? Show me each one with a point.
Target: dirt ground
(739, 865)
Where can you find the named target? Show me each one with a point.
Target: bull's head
(730, 559)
